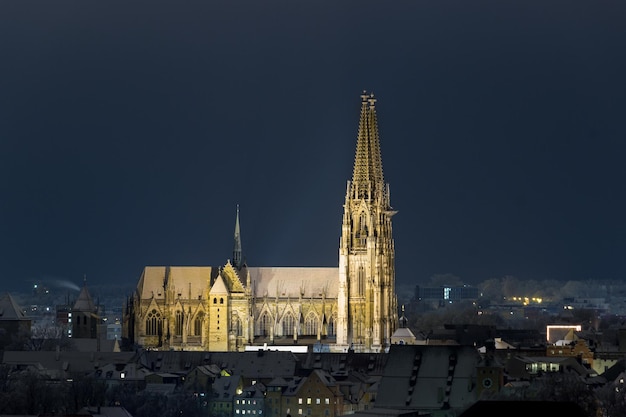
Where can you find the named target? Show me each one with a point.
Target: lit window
(308, 400)
(318, 401)
(299, 400)
(326, 400)
(299, 411)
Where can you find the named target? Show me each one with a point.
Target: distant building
(446, 294)
(14, 323)
(250, 401)
(223, 395)
(403, 335)
(225, 308)
(85, 317)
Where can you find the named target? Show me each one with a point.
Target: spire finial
(237, 242)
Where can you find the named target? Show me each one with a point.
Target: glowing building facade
(229, 307)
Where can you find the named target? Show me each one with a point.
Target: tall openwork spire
(237, 244)
(367, 179)
(366, 302)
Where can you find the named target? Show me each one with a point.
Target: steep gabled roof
(9, 310)
(183, 279)
(313, 282)
(219, 286)
(429, 377)
(84, 301)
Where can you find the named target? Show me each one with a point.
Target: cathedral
(232, 306)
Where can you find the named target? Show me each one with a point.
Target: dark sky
(130, 131)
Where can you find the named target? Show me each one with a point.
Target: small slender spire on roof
(403, 319)
(367, 178)
(237, 243)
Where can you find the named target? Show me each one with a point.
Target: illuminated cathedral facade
(229, 307)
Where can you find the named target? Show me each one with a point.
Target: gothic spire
(367, 179)
(237, 243)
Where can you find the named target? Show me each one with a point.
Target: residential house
(251, 401)
(222, 396)
(314, 395)
(14, 323)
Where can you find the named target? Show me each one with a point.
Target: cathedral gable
(231, 278)
(198, 310)
(153, 305)
(265, 309)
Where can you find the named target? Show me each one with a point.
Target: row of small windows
(317, 400)
(308, 412)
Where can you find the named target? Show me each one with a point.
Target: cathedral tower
(366, 304)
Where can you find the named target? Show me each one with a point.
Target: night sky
(130, 132)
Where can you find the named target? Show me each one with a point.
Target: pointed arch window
(331, 326)
(238, 329)
(310, 324)
(264, 324)
(178, 324)
(197, 324)
(153, 323)
(288, 324)
(362, 233)
(361, 280)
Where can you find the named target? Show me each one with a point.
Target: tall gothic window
(153, 323)
(238, 328)
(362, 229)
(197, 324)
(264, 324)
(178, 324)
(288, 323)
(331, 326)
(310, 324)
(361, 278)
